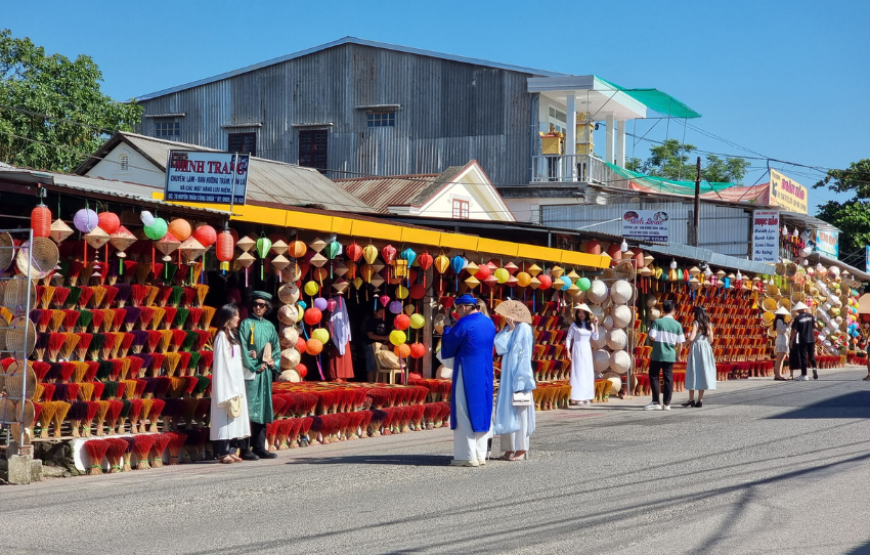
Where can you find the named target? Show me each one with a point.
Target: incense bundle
(128, 453)
(118, 317)
(431, 411)
(279, 405)
(61, 410)
(35, 316)
(55, 342)
(201, 293)
(272, 435)
(155, 413)
(171, 363)
(57, 317)
(208, 313)
(176, 388)
(96, 345)
(193, 317)
(152, 317)
(74, 271)
(165, 341)
(183, 362)
(97, 317)
(112, 415)
(306, 404)
(123, 294)
(304, 430)
(108, 321)
(175, 296)
(131, 317)
(83, 345)
(109, 298)
(40, 368)
(142, 272)
(47, 392)
(157, 363)
(190, 341)
(86, 293)
(130, 388)
(142, 445)
(99, 390)
(191, 407)
(169, 317)
(45, 418)
(154, 339)
(45, 318)
(177, 338)
(73, 298)
(205, 338)
(135, 414)
(78, 411)
(86, 391)
(151, 296)
(108, 345)
(146, 362)
(135, 367)
(293, 427)
(96, 449)
(172, 410)
(99, 295)
(60, 296)
(205, 360)
(354, 420)
(365, 423)
(163, 296)
(126, 343)
(176, 444)
(45, 295)
(140, 338)
(417, 417)
(66, 371)
(161, 442)
(181, 315)
(60, 392)
(143, 317)
(122, 417)
(116, 450)
(203, 412)
(387, 428)
(71, 340)
(203, 386)
(88, 420)
(137, 294)
(41, 344)
(188, 296)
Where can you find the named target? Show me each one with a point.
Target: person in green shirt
(668, 338)
(260, 367)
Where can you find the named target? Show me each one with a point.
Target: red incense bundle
(142, 445)
(85, 296)
(305, 430)
(115, 452)
(146, 315)
(161, 442)
(294, 425)
(96, 450)
(137, 294)
(134, 415)
(365, 423)
(169, 316)
(354, 420)
(113, 414)
(88, 420)
(155, 414)
(128, 453)
(272, 435)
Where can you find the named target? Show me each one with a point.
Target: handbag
(522, 399)
(234, 406)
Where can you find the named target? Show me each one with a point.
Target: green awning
(657, 101)
(668, 186)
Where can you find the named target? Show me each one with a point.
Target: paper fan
(515, 310)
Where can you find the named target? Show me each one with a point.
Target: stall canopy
(712, 258)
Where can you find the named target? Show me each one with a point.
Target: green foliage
(853, 219)
(43, 102)
(672, 160)
(856, 178)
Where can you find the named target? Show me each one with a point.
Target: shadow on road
(863, 549)
(388, 460)
(850, 405)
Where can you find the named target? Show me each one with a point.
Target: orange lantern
(224, 249)
(180, 228)
(40, 221)
(402, 351)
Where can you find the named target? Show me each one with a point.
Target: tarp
(658, 101)
(756, 194)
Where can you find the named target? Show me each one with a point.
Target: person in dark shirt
(376, 330)
(803, 336)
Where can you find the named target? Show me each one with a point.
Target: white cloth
(339, 321)
(227, 382)
(582, 370)
(467, 445)
(518, 440)
(781, 345)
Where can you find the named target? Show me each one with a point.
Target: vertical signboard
(206, 177)
(788, 194)
(765, 236)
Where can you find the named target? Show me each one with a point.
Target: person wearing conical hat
(582, 331)
(804, 338)
(780, 347)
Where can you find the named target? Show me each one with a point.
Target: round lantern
(206, 235)
(157, 229)
(395, 307)
(401, 322)
(402, 351)
(418, 350)
(370, 253)
(502, 275)
(584, 284)
(417, 291)
(615, 251)
(441, 264)
(313, 347)
(417, 321)
(397, 337)
(523, 279)
(86, 220)
(424, 261)
(297, 249)
(320, 303)
(313, 316)
(302, 370)
(320, 334)
(311, 288)
(545, 281)
(40, 221)
(389, 253)
(224, 249)
(402, 292)
(180, 228)
(109, 222)
(301, 344)
(564, 283)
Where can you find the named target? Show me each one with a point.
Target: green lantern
(264, 245)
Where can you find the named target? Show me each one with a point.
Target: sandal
(226, 459)
(507, 456)
(516, 457)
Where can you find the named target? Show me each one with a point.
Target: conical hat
(6, 250)
(621, 292)
(617, 339)
(783, 311)
(600, 360)
(597, 292)
(621, 316)
(620, 362)
(288, 293)
(288, 336)
(45, 257)
(599, 343)
(289, 359)
(582, 306)
(288, 314)
(799, 306)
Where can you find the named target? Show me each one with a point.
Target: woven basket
(15, 381)
(625, 270)
(7, 252)
(44, 258)
(15, 295)
(7, 411)
(15, 337)
(29, 412)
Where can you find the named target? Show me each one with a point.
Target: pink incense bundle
(161, 442)
(142, 444)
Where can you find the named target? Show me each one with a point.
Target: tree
(671, 160)
(856, 178)
(852, 218)
(52, 111)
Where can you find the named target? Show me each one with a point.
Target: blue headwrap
(465, 299)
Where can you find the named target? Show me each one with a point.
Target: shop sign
(827, 242)
(206, 177)
(787, 194)
(765, 236)
(867, 259)
(645, 225)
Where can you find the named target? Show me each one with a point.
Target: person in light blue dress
(701, 366)
(514, 424)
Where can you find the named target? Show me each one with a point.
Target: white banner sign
(765, 236)
(646, 225)
(206, 177)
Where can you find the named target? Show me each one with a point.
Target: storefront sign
(827, 242)
(207, 177)
(867, 259)
(788, 194)
(645, 225)
(765, 236)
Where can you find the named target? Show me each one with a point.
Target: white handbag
(522, 399)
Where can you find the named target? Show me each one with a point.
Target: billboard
(645, 225)
(765, 236)
(206, 177)
(827, 242)
(787, 193)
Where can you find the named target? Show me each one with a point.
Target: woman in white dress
(582, 331)
(781, 345)
(228, 388)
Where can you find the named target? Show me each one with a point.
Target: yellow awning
(347, 225)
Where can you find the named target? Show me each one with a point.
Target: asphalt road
(765, 467)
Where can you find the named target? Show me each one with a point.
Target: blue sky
(786, 79)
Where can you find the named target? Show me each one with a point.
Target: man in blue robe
(470, 343)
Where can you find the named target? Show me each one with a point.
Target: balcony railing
(569, 168)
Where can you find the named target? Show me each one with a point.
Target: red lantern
(483, 272)
(40, 221)
(313, 316)
(206, 235)
(615, 251)
(108, 222)
(401, 322)
(418, 350)
(424, 261)
(389, 253)
(225, 248)
(353, 251)
(417, 291)
(546, 281)
(301, 370)
(300, 345)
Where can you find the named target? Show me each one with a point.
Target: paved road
(765, 467)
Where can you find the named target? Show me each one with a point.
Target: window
(381, 119)
(460, 209)
(167, 128)
(243, 143)
(313, 148)
(124, 162)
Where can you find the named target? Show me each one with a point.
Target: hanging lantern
(340, 286)
(279, 245)
(370, 253)
(206, 235)
(180, 228)
(86, 220)
(122, 240)
(97, 238)
(246, 243)
(441, 264)
(297, 249)
(40, 221)
(157, 229)
(458, 263)
(333, 249)
(377, 281)
(524, 279)
(424, 261)
(367, 272)
(483, 272)
(264, 245)
(167, 245)
(472, 282)
(409, 255)
(191, 249)
(402, 292)
(556, 272)
(60, 231)
(534, 270)
(354, 251)
(545, 282)
(317, 245)
(340, 269)
(388, 253)
(109, 222)
(279, 263)
(511, 268)
(224, 249)
(318, 260)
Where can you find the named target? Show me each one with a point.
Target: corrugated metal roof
(393, 190)
(268, 180)
(351, 40)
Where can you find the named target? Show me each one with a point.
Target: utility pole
(697, 234)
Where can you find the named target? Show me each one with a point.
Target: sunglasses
(260, 305)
